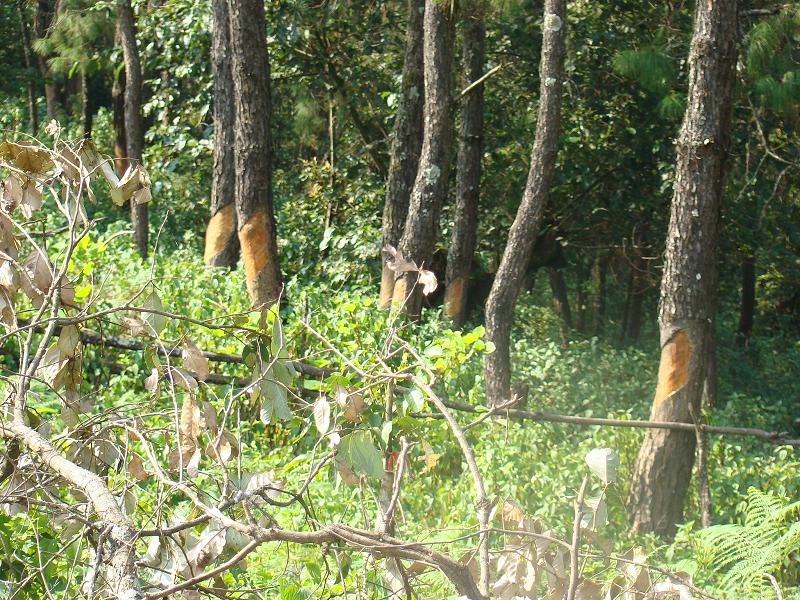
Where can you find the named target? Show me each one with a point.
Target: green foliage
(762, 545)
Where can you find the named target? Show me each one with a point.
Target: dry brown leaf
(194, 361)
(346, 473)
(428, 281)
(351, 403)
(182, 379)
(151, 381)
(26, 156)
(322, 415)
(136, 468)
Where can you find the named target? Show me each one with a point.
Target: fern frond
(761, 545)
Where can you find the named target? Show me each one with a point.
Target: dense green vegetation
(335, 76)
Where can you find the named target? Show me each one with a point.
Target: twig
(576, 540)
(480, 80)
(775, 586)
(398, 476)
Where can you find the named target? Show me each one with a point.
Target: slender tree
(222, 242)
(33, 110)
(468, 171)
(430, 184)
(134, 129)
(747, 307)
(406, 143)
(253, 150)
(663, 467)
(44, 16)
(118, 112)
(524, 230)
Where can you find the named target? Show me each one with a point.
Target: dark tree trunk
(406, 143)
(222, 241)
(599, 270)
(560, 304)
(663, 468)
(521, 237)
(87, 109)
(581, 278)
(118, 106)
(43, 18)
(637, 286)
(134, 129)
(468, 174)
(33, 111)
(430, 184)
(253, 150)
(748, 307)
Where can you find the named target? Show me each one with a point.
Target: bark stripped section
(662, 471)
(253, 151)
(430, 185)
(468, 173)
(222, 243)
(406, 144)
(524, 230)
(134, 131)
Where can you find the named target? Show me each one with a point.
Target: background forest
(260, 265)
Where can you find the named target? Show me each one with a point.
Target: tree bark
(43, 18)
(406, 144)
(253, 150)
(637, 285)
(748, 306)
(468, 174)
(663, 467)
(599, 270)
(33, 111)
(118, 107)
(134, 129)
(560, 304)
(430, 184)
(522, 236)
(87, 109)
(222, 242)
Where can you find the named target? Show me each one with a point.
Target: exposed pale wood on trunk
(468, 173)
(253, 150)
(222, 241)
(662, 471)
(430, 185)
(406, 143)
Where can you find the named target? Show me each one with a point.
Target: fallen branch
(774, 437)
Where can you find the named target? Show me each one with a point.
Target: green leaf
(274, 401)
(156, 322)
(361, 455)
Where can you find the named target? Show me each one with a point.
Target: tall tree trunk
(747, 309)
(663, 468)
(581, 277)
(222, 242)
(118, 109)
(599, 271)
(87, 109)
(33, 111)
(468, 173)
(253, 150)
(43, 18)
(134, 129)
(406, 143)
(524, 230)
(637, 286)
(430, 184)
(560, 303)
